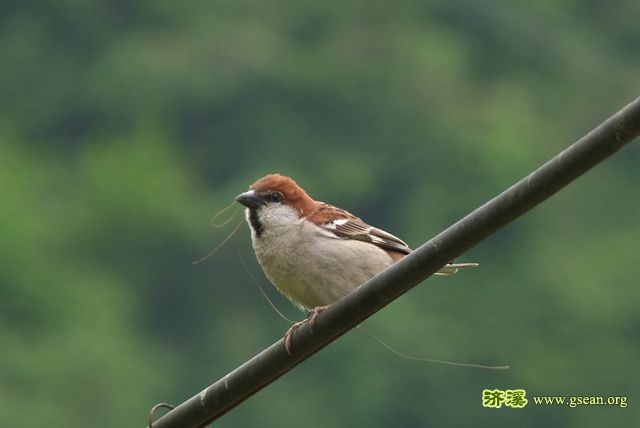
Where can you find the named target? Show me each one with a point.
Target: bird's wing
(345, 225)
(341, 224)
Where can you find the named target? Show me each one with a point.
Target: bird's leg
(313, 316)
(311, 319)
(288, 336)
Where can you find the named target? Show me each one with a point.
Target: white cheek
(277, 217)
(273, 219)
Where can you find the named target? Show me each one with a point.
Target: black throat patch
(255, 222)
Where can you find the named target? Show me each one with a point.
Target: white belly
(313, 269)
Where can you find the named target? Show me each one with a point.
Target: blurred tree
(125, 125)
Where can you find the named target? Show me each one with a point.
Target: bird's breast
(313, 269)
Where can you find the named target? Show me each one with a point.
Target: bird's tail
(452, 268)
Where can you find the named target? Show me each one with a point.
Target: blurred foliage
(125, 126)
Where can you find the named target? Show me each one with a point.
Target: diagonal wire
(351, 310)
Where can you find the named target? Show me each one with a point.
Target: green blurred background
(124, 126)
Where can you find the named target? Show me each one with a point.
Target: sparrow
(315, 253)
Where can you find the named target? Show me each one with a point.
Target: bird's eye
(274, 197)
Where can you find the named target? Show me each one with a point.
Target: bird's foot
(311, 319)
(313, 316)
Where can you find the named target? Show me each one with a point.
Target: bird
(313, 252)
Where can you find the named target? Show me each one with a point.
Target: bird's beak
(250, 199)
